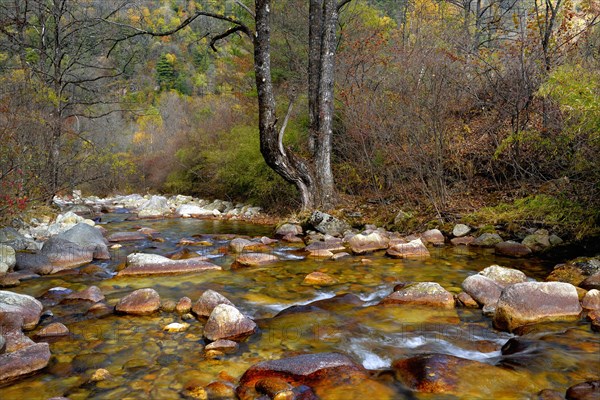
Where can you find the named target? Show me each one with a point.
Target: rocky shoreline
(513, 301)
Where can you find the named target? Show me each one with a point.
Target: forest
(488, 109)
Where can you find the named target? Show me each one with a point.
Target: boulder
(254, 260)
(64, 254)
(23, 362)
(591, 300)
(88, 237)
(155, 207)
(367, 243)
(139, 302)
(7, 258)
(433, 237)
(482, 289)
(487, 240)
(192, 210)
(577, 271)
(288, 229)
(503, 276)
(534, 302)
(591, 282)
(23, 305)
(327, 224)
(413, 249)
(466, 300)
(93, 294)
(512, 249)
(539, 241)
(325, 370)
(237, 245)
(226, 322)
(589, 390)
(126, 237)
(208, 301)
(11, 237)
(183, 306)
(34, 262)
(461, 230)
(319, 279)
(421, 293)
(462, 241)
(153, 264)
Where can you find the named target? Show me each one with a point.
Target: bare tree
(312, 175)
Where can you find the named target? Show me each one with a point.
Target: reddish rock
(254, 260)
(433, 236)
(462, 241)
(512, 249)
(534, 302)
(323, 370)
(292, 239)
(226, 322)
(225, 346)
(126, 237)
(319, 279)
(152, 264)
(92, 294)
(483, 290)
(208, 301)
(324, 254)
(363, 244)
(53, 330)
(184, 305)
(413, 249)
(139, 302)
(28, 308)
(288, 229)
(466, 300)
(421, 293)
(589, 390)
(238, 245)
(23, 362)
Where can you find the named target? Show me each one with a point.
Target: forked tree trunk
(313, 177)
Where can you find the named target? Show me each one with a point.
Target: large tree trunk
(313, 178)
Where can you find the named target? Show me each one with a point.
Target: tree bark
(313, 177)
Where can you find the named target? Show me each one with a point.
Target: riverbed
(146, 362)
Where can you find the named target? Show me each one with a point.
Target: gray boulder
(155, 207)
(7, 258)
(22, 305)
(327, 224)
(487, 240)
(88, 236)
(11, 237)
(64, 254)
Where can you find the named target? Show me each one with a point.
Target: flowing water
(146, 362)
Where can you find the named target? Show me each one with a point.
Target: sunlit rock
(139, 302)
(226, 322)
(208, 301)
(421, 293)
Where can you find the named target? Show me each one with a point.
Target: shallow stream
(146, 362)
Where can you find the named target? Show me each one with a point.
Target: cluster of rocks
(156, 206)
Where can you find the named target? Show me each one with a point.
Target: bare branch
(245, 7)
(284, 124)
(223, 35)
(342, 4)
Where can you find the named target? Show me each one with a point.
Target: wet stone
(208, 301)
(139, 302)
(226, 322)
(589, 390)
(92, 294)
(55, 329)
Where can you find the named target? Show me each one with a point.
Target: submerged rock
(126, 237)
(92, 294)
(319, 279)
(226, 322)
(421, 293)
(55, 329)
(486, 240)
(534, 302)
(152, 264)
(254, 260)
(139, 302)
